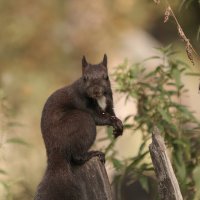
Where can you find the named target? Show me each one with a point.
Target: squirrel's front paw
(118, 126)
(100, 155)
(117, 133)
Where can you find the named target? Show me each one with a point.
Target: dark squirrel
(68, 126)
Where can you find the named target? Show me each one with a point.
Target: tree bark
(168, 186)
(93, 180)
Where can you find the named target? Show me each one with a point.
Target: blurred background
(41, 47)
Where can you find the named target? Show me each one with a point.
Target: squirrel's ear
(105, 60)
(84, 64)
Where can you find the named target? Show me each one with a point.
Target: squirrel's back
(64, 122)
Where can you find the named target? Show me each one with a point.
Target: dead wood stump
(168, 186)
(93, 180)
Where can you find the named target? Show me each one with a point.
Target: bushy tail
(58, 184)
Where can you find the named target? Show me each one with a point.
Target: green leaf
(185, 145)
(110, 146)
(110, 133)
(164, 50)
(117, 164)
(102, 139)
(182, 4)
(176, 75)
(144, 183)
(196, 177)
(170, 92)
(192, 74)
(183, 109)
(198, 32)
(151, 58)
(180, 62)
(5, 185)
(165, 115)
(127, 117)
(147, 85)
(171, 83)
(150, 74)
(3, 172)
(179, 142)
(171, 53)
(138, 159)
(14, 124)
(128, 126)
(142, 146)
(180, 164)
(17, 141)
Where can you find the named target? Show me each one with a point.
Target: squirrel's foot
(101, 156)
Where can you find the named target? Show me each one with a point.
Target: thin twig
(172, 12)
(189, 48)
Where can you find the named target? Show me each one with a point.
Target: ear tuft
(105, 60)
(84, 62)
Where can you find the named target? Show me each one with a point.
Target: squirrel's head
(95, 78)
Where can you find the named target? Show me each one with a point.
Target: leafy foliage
(6, 182)
(157, 92)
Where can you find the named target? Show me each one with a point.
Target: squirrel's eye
(85, 78)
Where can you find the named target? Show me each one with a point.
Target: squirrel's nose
(97, 91)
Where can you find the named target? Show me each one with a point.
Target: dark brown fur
(68, 125)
